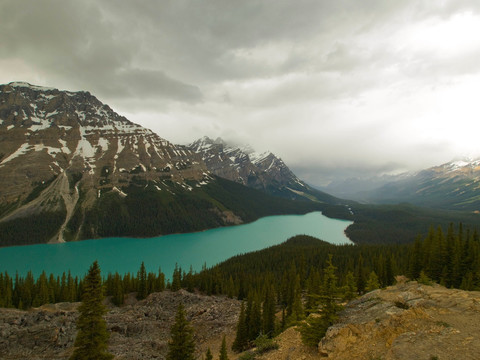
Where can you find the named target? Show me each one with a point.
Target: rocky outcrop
(407, 321)
(139, 331)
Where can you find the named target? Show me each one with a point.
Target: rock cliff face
(138, 331)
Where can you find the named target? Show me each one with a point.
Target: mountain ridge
(262, 171)
(454, 185)
(71, 168)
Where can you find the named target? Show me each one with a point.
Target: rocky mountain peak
(262, 171)
(69, 145)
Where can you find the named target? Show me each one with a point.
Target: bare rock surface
(140, 330)
(407, 321)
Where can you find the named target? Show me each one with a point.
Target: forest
(301, 276)
(450, 257)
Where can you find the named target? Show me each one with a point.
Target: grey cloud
(75, 41)
(289, 75)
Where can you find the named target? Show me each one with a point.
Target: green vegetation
(397, 224)
(281, 275)
(149, 212)
(208, 355)
(92, 335)
(223, 350)
(181, 345)
(34, 229)
(303, 278)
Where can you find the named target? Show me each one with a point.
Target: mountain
(360, 188)
(71, 168)
(261, 171)
(452, 186)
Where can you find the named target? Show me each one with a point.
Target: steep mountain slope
(71, 168)
(454, 186)
(263, 171)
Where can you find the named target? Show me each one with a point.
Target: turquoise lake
(210, 247)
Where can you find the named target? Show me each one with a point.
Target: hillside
(71, 169)
(139, 331)
(402, 322)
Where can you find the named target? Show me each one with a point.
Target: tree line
(451, 258)
(300, 277)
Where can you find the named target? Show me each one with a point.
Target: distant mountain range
(452, 186)
(71, 168)
(261, 171)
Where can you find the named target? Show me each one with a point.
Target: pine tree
(181, 346)
(41, 291)
(92, 336)
(268, 312)
(315, 327)
(208, 355)
(372, 282)
(241, 339)
(118, 296)
(254, 318)
(142, 282)
(360, 276)
(350, 287)
(223, 350)
(176, 278)
(297, 312)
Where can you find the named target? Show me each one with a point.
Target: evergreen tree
(92, 335)
(241, 339)
(223, 350)
(315, 327)
(208, 355)
(254, 318)
(176, 278)
(118, 296)
(297, 312)
(41, 291)
(350, 287)
(372, 282)
(360, 276)
(268, 312)
(160, 281)
(142, 282)
(181, 346)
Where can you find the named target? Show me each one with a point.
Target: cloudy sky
(333, 87)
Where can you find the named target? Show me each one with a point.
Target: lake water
(210, 247)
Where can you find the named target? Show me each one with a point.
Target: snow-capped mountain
(71, 168)
(65, 132)
(71, 148)
(261, 171)
(454, 185)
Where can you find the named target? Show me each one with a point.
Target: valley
(80, 183)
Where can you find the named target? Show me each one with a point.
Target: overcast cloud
(335, 88)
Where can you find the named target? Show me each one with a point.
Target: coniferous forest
(450, 257)
(300, 277)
